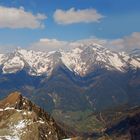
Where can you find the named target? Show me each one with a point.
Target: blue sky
(120, 18)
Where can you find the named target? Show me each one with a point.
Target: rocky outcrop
(20, 119)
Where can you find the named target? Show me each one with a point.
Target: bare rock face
(20, 119)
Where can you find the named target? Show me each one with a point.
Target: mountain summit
(23, 120)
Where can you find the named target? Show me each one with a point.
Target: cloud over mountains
(76, 16)
(19, 18)
(126, 43)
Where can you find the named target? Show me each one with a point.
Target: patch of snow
(29, 112)
(24, 113)
(116, 62)
(21, 124)
(1, 58)
(40, 121)
(9, 138)
(13, 65)
(1, 109)
(17, 129)
(9, 108)
(135, 63)
(18, 110)
(50, 132)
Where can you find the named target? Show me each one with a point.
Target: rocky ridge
(23, 120)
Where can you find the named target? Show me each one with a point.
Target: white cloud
(76, 16)
(19, 18)
(54, 44)
(126, 43)
(49, 45)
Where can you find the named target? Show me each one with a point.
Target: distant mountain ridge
(81, 60)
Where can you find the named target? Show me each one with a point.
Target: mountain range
(81, 60)
(72, 85)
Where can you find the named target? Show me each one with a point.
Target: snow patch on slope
(116, 62)
(13, 65)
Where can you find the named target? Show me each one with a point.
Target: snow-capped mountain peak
(85, 59)
(80, 60)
